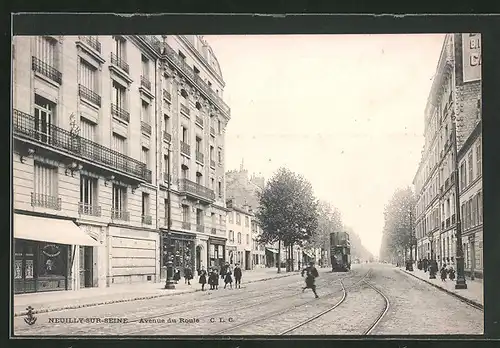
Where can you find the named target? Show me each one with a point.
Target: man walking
(311, 275)
(237, 276)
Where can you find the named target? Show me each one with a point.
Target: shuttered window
(88, 75)
(45, 180)
(87, 129)
(45, 50)
(119, 143)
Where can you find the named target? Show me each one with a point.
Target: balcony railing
(200, 228)
(120, 113)
(25, 126)
(88, 94)
(166, 177)
(45, 201)
(199, 157)
(145, 128)
(185, 148)
(145, 82)
(213, 230)
(199, 120)
(192, 188)
(147, 219)
(189, 71)
(120, 215)
(46, 70)
(212, 163)
(120, 62)
(186, 225)
(166, 95)
(453, 219)
(167, 136)
(92, 41)
(212, 130)
(89, 209)
(185, 109)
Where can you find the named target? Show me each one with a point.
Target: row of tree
(290, 215)
(398, 237)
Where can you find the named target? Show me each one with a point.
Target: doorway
(86, 266)
(248, 261)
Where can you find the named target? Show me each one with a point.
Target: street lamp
(460, 283)
(169, 283)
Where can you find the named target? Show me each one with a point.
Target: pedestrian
(224, 270)
(237, 276)
(311, 275)
(211, 281)
(188, 275)
(216, 279)
(451, 272)
(443, 272)
(177, 275)
(425, 264)
(203, 278)
(228, 279)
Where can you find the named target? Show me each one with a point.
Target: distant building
(456, 89)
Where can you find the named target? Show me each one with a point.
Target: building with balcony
(240, 237)
(83, 166)
(192, 118)
(455, 92)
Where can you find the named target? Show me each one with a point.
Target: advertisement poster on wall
(471, 57)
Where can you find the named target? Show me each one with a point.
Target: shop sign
(51, 250)
(471, 57)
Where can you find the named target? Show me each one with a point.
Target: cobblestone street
(278, 306)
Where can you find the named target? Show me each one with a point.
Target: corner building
(451, 95)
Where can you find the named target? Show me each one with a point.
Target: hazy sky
(345, 111)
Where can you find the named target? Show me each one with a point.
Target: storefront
(182, 248)
(216, 252)
(43, 253)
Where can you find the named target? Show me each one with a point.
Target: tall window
(238, 219)
(88, 75)
(119, 143)
(211, 153)
(248, 238)
(478, 158)
(231, 235)
(185, 138)
(199, 217)
(185, 213)
(246, 221)
(145, 156)
(471, 167)
(145, 67)
(212, 183)
(219, 127)
(45, 48)
(166, 123)
(219, 155)
(185, 172)
(220, 189)
(45, 180)
(118, 97)
(212, 217)
(199, 178)
(120, 47)
(145, 204)
(165, 163)
(119, 199)
(145, 112)
(87, 129)
(239, 237)
(230, 214)
(480, 207)
(463, 173)
(44, 118)
(198, 144)
(88, 190)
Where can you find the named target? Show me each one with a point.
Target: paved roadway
(367, 293)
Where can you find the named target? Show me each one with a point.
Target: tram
(340, 251)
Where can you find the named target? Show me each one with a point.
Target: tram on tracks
(340, 251)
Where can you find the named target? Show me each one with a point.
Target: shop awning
(50, 230)
(274, 251)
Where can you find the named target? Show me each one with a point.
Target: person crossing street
(311, 275)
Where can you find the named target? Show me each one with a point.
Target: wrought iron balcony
(185, 109)
(212, 163)
(196, 190)
(120, 113)
(200, 228)
(185, 148)
(89, 209)
(46, 70)
(145, 82)
(147, 219)
(119, 62)
(166, 95)
(120, 215)
(45, 201)
(199, 120)
(186, 225)
(88, 94)
(189, 71)
(24, 126)
(212, 130)
(145, 128)
(199, 157)
(92, 41)
(167, 136)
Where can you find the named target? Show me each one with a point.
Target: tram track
(383, 312)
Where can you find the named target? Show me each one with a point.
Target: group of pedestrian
(212, 278)
(447, 271)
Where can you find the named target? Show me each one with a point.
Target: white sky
(345, 111)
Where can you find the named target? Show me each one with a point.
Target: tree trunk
(279, 255)
(291, 249)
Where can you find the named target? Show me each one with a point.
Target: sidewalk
(44, 302)
(473, 294)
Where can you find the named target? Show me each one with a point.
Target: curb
(131, 299)
(462, 298)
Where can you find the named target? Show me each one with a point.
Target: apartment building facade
(95, 122)
(434, 182)
(239, 233)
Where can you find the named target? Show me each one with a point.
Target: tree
(329, 220)
(287, 210)
(399, 216)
